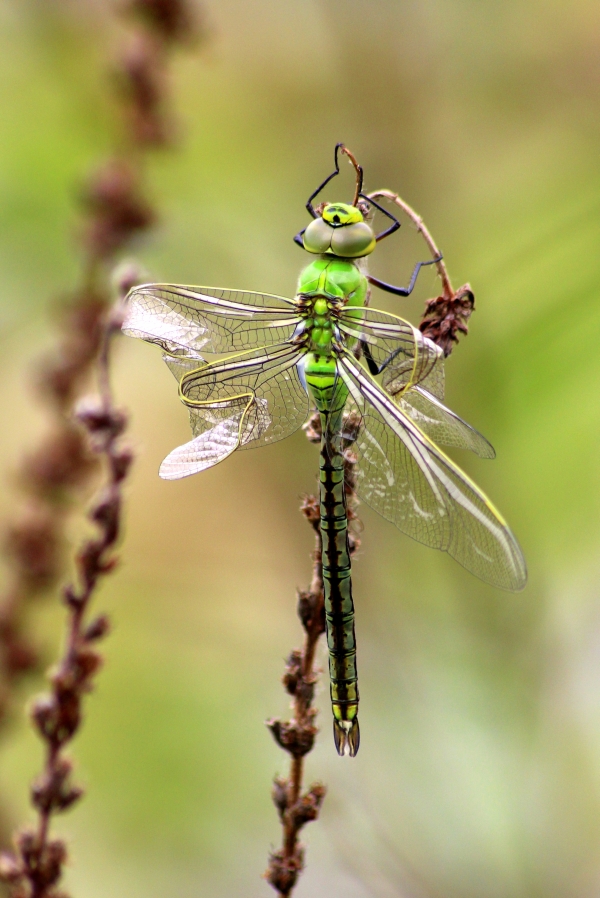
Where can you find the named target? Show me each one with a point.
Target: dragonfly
(279, 359)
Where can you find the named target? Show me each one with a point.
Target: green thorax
(325, 286)
(334, 278)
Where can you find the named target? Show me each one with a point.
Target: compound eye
(353, 241)
(317, 236)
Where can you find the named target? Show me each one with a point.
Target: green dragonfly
(327, 349)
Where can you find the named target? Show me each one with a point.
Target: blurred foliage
(479, 770)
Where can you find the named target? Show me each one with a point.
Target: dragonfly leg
(395, 223)
(298, 238)
(403, 291)
(315, 193)
(372, 365)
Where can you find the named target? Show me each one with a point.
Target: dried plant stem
(297, 736)
(422, 229)
(35, 867)
(115, 210)
(445, 316)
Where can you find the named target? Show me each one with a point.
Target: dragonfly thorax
(332, 279)
(325, 287)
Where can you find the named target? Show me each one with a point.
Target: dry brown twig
(115, 211)
(35, 867)
(51, 477)
(297, 736)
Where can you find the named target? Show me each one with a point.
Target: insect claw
(346, 735)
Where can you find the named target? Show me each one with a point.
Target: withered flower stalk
(297, 736)
(35, 866)
(115, 210)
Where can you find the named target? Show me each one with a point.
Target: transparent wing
(441, 424)
(195, 319)
(405, 477)
(247, 400)
(396, 347)
(413, 374)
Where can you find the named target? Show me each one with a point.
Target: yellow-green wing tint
(404, 476)
(246, 400)
(205, 319)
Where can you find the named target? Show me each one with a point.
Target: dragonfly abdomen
(337, 587)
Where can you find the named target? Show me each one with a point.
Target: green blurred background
(479, 770)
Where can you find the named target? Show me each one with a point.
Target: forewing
(405, 477)
(247, 400)
(205, 319)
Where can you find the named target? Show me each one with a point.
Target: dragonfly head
(340, 231)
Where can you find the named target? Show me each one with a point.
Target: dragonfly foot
(346, 735)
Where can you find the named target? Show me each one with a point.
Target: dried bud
(10, 868)
(293, 671)
(106, 512)
(283, 871)
(116, 209)
(279, 795)
(313, 428)
(51, 791)
(294, 737)
(97, 629)
(311, 611)
(89, 558)
(121, 461)
(308, 806)
(352, 423)
(72, 598)
(353, 542)
(445, 318)
(96, 418)
(311, 510)
(44, 713)
(84, 664)
(46, 868)
(126, 276)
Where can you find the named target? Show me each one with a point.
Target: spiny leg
(372, 365)
(395, 223)
(403, 291)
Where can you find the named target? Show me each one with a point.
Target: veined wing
(413, 375)
(404, 476)
(244, 401)
(206, 319)
(401, 351)
(441, 424)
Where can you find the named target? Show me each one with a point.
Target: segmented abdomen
(337, 579)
